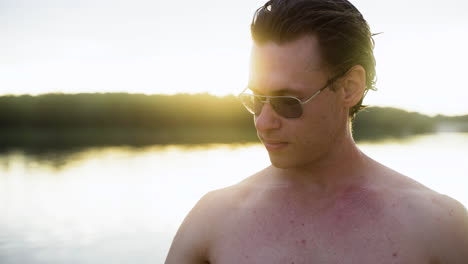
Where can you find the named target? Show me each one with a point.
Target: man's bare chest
(342, 233)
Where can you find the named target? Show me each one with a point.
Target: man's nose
(268, 119)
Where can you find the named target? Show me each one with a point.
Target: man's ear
(354, 84)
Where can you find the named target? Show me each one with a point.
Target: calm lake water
(124, 204)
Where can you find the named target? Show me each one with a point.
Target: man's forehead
(286, 90)
(302, 53)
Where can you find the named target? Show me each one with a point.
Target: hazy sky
(144, 46)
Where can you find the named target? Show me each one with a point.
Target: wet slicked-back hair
(344, 36)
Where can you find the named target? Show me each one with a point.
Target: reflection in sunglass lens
(251, 103)
(287, 107)
(257, 105)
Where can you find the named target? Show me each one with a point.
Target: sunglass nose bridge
(265, 100)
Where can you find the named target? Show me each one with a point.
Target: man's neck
(343, 167)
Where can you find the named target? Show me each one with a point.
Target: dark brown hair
(344, 36)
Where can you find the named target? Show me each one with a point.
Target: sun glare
(419, 60)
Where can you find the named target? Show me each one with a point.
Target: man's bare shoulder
(439, 220)
(415, 197)
(225, 201)
(442, 221)
(204, 222)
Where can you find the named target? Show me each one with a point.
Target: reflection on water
(117, 204)
(124, 204)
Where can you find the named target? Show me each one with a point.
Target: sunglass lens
(251, 103)
(283, 106)
(287, 107)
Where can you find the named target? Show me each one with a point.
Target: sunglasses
(285, 106)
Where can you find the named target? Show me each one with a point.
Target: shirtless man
(322, 200)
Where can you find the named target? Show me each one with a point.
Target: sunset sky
(155, 46)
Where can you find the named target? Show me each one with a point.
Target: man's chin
(290, 161)
(281, 162)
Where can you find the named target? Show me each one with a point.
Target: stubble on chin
(296, 160)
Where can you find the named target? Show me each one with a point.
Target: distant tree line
(183, 118)
(120, 110)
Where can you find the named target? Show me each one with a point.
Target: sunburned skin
(389, 219)
(360, 225)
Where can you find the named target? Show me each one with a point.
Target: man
(322, 200)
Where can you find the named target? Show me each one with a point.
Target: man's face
(295, 69)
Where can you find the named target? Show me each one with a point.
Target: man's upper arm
(190, 244)
(455, 237)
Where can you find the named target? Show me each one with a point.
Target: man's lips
(273, 145)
